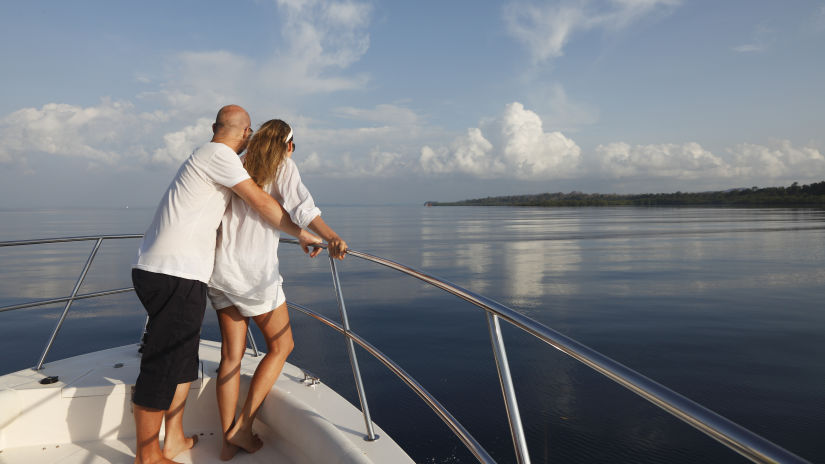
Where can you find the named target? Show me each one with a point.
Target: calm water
(722, 305)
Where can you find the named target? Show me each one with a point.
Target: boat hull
(86, 416)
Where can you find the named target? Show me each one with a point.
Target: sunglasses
(292, 141)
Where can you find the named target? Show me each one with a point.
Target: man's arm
(273, 213)
(337, 247)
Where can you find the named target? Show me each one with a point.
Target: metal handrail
(353, 360)
(507, 390)
(65, 313)
(33, 304)
(74, 296)
(458, 430)
(71, 298)
(733, 436)
(737, 438)
(471, 443)
(82, 238)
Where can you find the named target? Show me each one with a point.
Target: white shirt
(181, 239)
(246, 256)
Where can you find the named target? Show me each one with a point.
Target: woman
(246, 283)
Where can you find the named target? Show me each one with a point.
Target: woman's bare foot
(228, 450)
(244, 439)
(157, 460)
(173, 447)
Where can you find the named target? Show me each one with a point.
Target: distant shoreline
(812, 195)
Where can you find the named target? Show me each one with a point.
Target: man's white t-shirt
(181, 240)
(246, 256)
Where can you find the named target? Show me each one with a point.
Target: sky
(407, 102)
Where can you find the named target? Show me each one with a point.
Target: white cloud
(375, 164)
(469, 154)
(383, 163)
(204, 81)
(321, 39)
(622, 13)
(513, 146)
(311, 163)
(533, 152)
(363, 140)
(323, 36)
(348, 15)
(104, 134)
(687, 161)
(562, 111)
(520, 149)
(179, 145)
(111, 134)
(385, 147)
(781, 162)
(545, 28)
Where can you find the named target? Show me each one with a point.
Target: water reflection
(537, 269)
(538, 262)
(723, 305)
(35, 272)
(47, 273)
(473, 255)
(476, 260)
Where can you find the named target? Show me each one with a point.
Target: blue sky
(403, 102)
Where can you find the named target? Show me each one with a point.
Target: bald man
(173, 267)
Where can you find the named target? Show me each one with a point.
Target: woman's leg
(233, 335)
(275, 327)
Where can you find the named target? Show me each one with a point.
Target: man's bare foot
(172, 447)
(158, 460)
(228, 450)
(244, 439)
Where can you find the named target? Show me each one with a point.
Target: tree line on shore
(812, 195)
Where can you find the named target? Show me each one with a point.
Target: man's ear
(213, 128)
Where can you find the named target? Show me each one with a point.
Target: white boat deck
(85, 417)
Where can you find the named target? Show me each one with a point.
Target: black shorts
(170, 348)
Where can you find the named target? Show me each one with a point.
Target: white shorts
(246, 306)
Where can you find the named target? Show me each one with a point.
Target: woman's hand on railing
(337, 247)
(309, 240)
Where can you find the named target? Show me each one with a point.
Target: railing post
(252, 341)
(143, 334)
(510, 403)
(69, 303)
(356, 372)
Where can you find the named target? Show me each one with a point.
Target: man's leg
(175, 307)
(147, 423)
(186, 365)
(175, 442)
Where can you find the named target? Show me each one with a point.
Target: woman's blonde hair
(266, 151)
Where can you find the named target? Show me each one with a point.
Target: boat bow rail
(748, 444)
